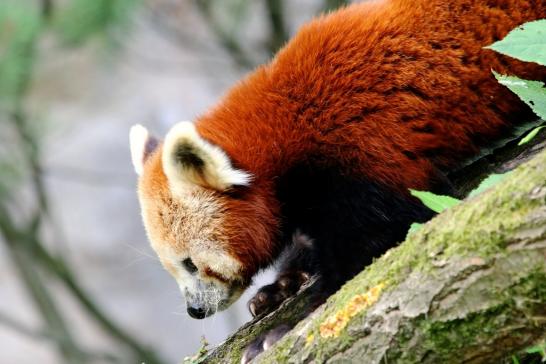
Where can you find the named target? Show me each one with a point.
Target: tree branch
(469, 287)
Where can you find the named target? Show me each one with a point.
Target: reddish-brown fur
(249, 224)
(390, 90)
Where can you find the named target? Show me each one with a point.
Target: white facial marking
(189, 225)
(138, 137)
(184, 214)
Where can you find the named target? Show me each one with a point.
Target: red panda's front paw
(269, 297)
(263, 343)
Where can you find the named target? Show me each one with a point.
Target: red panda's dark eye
(189, 266)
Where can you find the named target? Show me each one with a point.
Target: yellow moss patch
(309, 339)
(333, 325)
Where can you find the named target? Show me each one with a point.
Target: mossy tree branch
(468, 287)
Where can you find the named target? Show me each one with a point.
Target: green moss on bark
(443, 338)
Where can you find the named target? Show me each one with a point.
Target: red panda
(325, 140)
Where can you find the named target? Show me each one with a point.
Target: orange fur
(248, 225)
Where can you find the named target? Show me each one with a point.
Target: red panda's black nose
(197, 312)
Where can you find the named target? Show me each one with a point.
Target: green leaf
(532, 93)
(436, 203)
(515, 359)
(526, 42)
(487, 183)
(533, 133)
(414, 227)
(537, 349)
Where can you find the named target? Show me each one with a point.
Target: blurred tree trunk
(468, 287)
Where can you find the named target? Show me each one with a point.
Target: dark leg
(355, 222)
(351, 221)
(296, 265)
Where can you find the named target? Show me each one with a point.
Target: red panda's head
(212, 226)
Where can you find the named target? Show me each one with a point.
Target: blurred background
(78, 281)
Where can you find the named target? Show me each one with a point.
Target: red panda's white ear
(142, 145)
(189, 158)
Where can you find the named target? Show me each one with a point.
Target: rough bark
(468, 287)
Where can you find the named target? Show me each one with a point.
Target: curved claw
(269, 297)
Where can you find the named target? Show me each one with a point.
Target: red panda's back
(390, 89)
(399, 88)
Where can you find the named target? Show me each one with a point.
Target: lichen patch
(334, 324)
(309, 339)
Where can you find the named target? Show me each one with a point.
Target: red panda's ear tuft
(142, 145)
(187, 157)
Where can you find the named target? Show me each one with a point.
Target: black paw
(263, 343)
(269, 297)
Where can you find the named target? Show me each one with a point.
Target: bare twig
(159, 20)
(30, 256)
(226, 40)
(334, 4)
(43, 335)
(64, 274)
(21, 244)
(18, 245)
(11, 323)
(58, 266)
(47, 8)
(279, 34)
